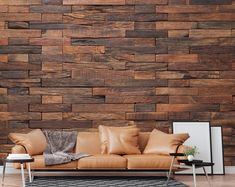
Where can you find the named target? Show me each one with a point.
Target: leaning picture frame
(217, 150)
(200, 136)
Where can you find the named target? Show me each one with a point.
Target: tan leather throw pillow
(123, 141)
(103, 133)
(34, 142)
(163, 143)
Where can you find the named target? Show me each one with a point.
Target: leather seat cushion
(40, 164)
(102, 161)
(148, 161)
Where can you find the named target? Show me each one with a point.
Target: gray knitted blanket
(60, 145)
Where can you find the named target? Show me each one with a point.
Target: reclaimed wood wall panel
(77, 64)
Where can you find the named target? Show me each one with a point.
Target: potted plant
(191, 152)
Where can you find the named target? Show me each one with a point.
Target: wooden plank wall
(76, 64)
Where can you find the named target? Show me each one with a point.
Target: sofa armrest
(182, 149)
(18, 149)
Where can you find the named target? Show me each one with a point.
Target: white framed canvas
(200, 136)
(217, 150)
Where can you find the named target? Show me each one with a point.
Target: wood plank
(49, 74)
(212, 17)
(20, 17)
(211, 2)
(52, 116)
(61, 91)
(20, 49)
(94, 33)
(18, 107)
(93, 116)
(136, 99)
(3, 108)
(50, 9)
(71, 82)
(3, 91)
(94, 2)
(18, 9)
(142, 91)
(200, 99)
(18, 91)
(175, 25)
(102, 108)
(148, 2)
(212, 82)
(83, 49)
(18, 57)
(141, 75)
(20, 99)
(147, 116)
(136, 83)
(20, 2)
(189, 58)
(186, 107)
(186, 9)
(63, 124)
(51, 107)
(205, 33)
(82, 99)
(187, 74)
(5, 116)
(52, 99)
(139, 107)
(10, 83)
(176, 91)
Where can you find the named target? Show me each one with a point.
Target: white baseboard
(230, 169)
(11, 170)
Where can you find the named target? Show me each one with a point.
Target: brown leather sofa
(89, 142)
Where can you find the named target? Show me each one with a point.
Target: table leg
(169, 174)
(194, 175)
(22, 174)
(3, 172)
(207, 178)
(29, 172)
(32, 174)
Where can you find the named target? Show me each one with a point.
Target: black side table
(189, 165)
(22, 162)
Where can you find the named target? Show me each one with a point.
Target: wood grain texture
(77, 64)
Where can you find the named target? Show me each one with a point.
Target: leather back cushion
(103, 132)
(123, 141)
(89, 142)
(162, 143)
(143, 140)
(34, 142)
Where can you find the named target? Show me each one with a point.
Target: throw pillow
(162, 143)
(103, 132)
(34, 142)
(123, 141)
